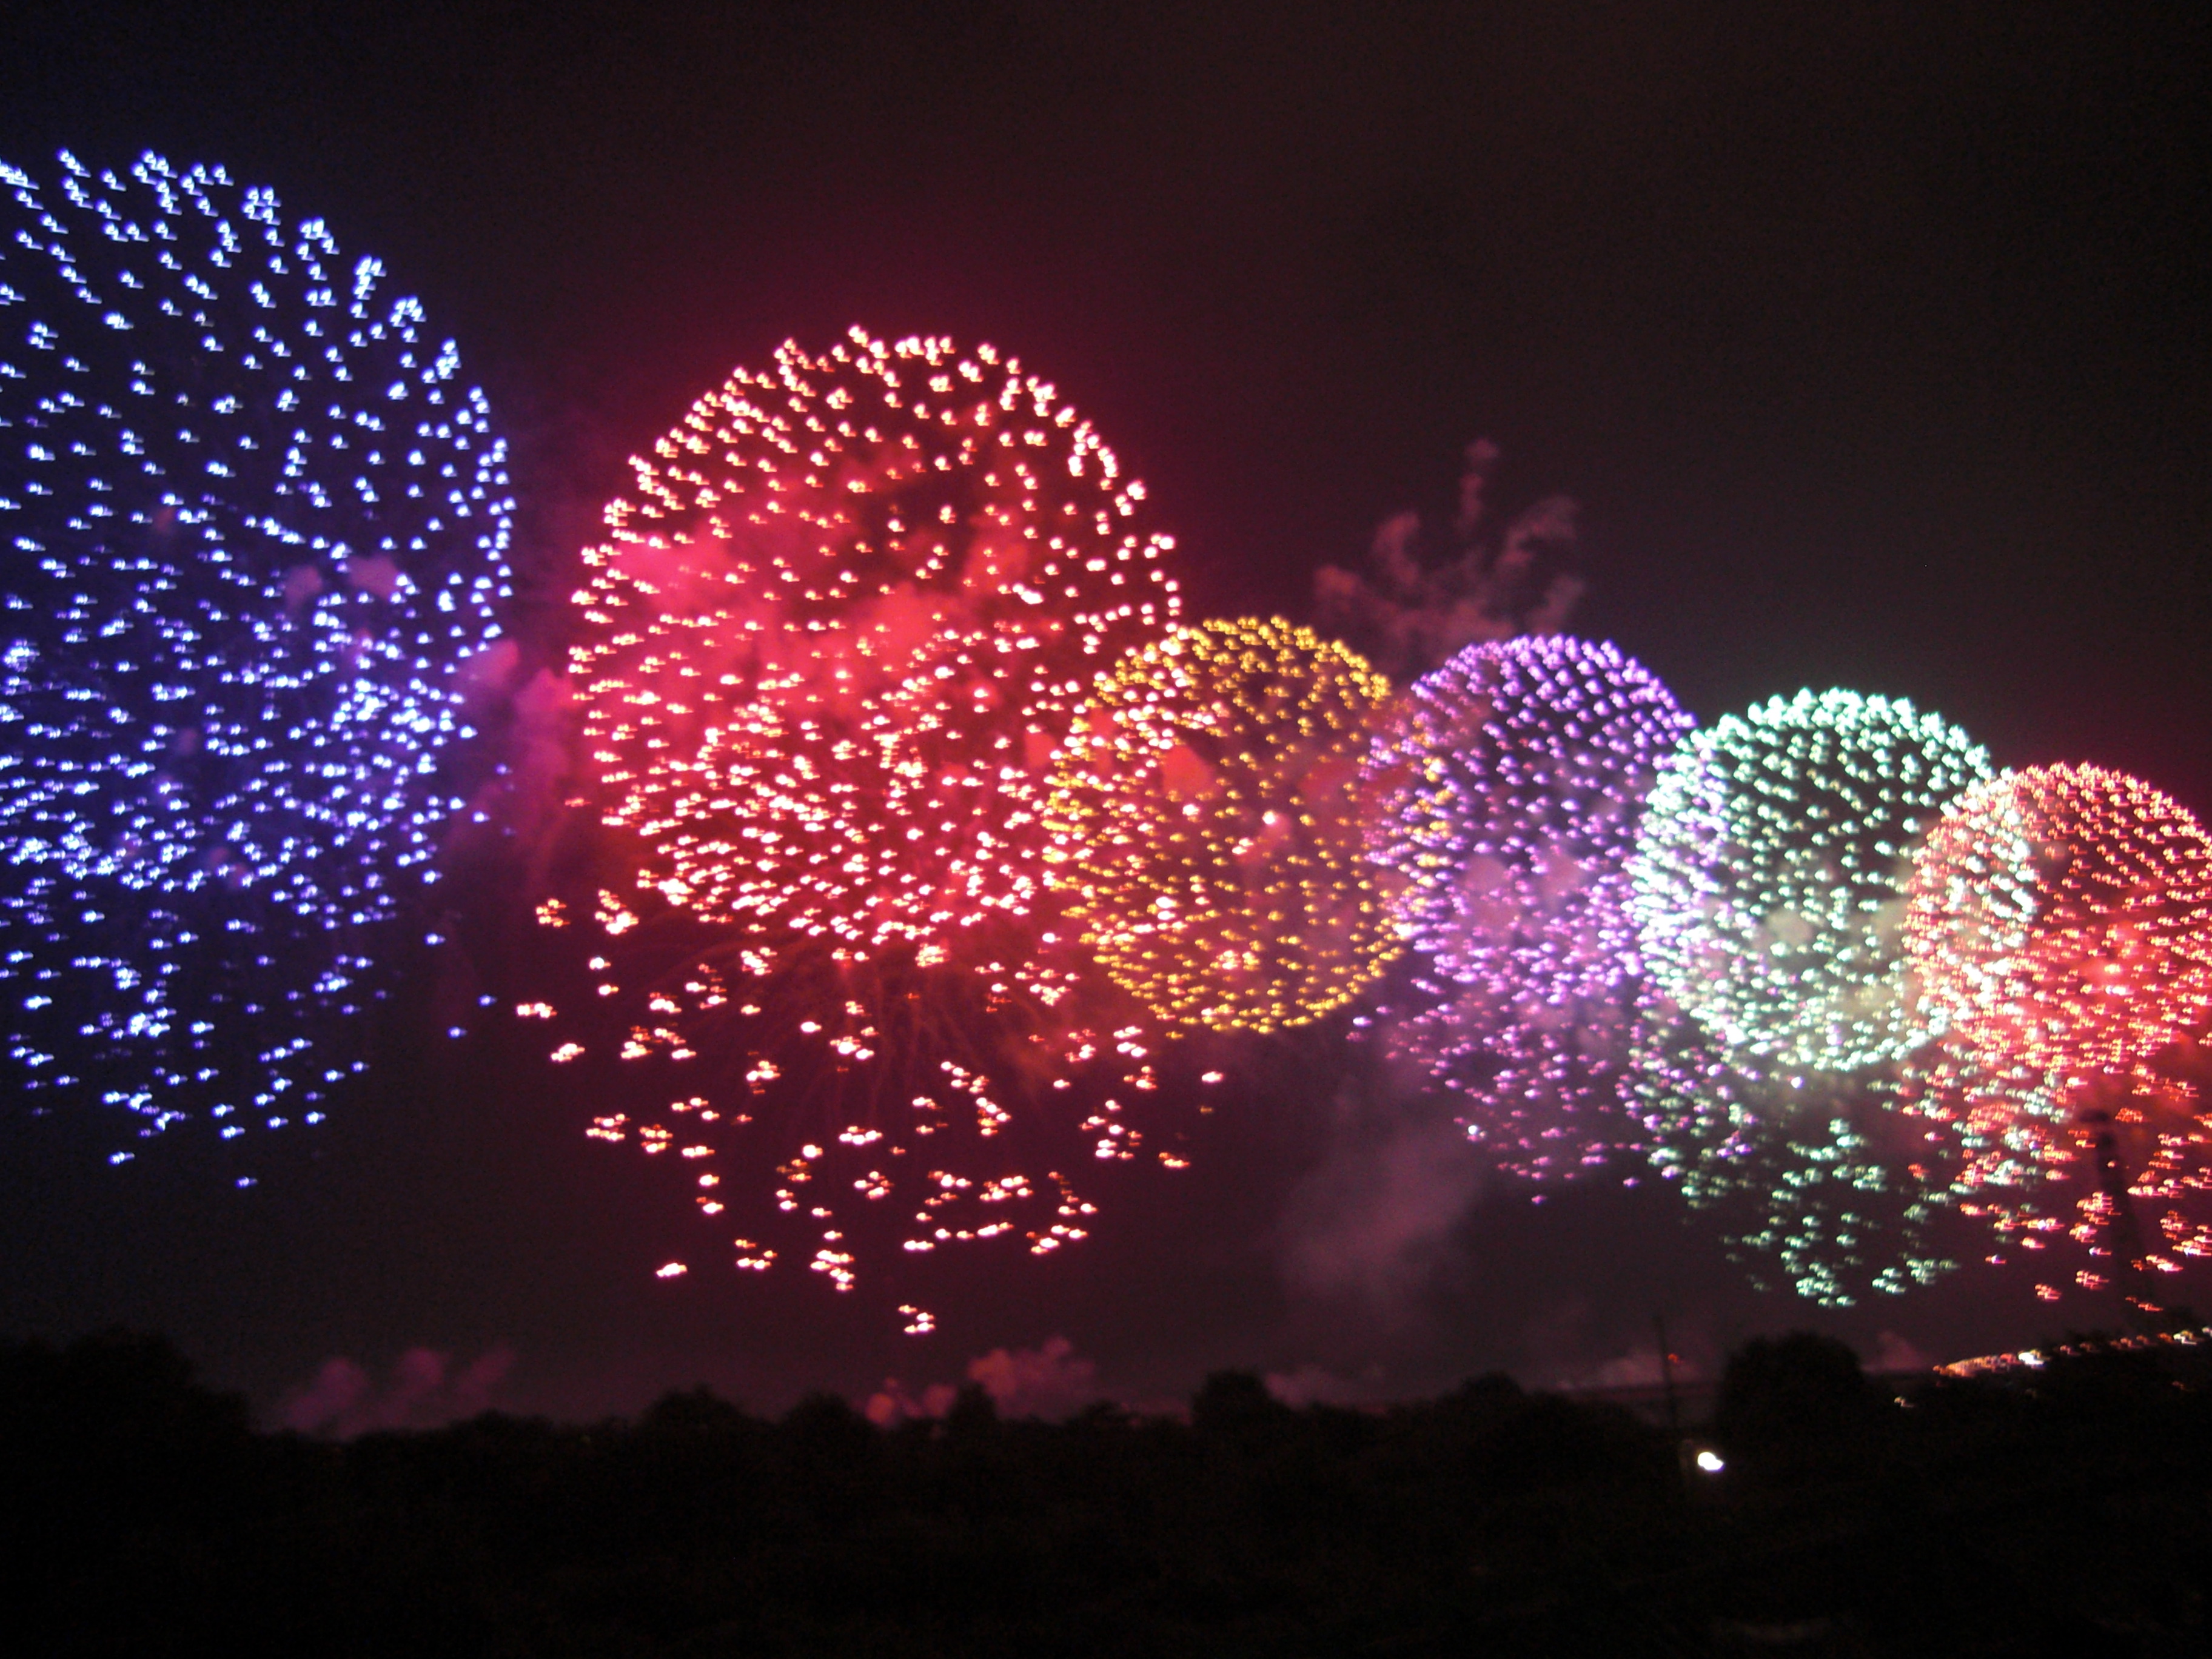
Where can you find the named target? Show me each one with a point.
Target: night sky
(1870, 339)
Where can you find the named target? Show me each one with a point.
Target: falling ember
(861, 1109)
(1820, 1177)
(1209, 826)
(1511, 781)
(255, 526)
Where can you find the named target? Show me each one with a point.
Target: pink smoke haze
(419, 1393)
(1894, 1354)
(523, 806)
(1374, 1222)
(1316, 1385)
(1049, 1380)
(374, 573)
(1411, 608)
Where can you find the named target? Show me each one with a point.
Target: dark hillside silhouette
(140, 1514)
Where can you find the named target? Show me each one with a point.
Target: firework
(251, 525)
(1770, 870)
(1822, 1176)
(837, 631)
(1513, 780)
(2060, 920)
(2096, 1183)
(1209, 820)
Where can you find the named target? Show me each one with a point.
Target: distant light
(670, 1270)
(1712, 1461)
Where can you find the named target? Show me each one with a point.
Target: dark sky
(1871, 339)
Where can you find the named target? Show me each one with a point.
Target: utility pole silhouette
(2102, 1112)
(1673, 1405)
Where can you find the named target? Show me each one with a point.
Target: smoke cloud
(528, 798)
(1316, 1385)
(1894, 1354)
(1639, 1368)
(1373, 1225)
(1416, 602)
(892, 1404)
(1049, 1380)
(419, 1393)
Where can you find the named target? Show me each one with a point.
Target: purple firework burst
(1513, 781)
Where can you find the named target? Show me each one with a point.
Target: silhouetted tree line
(142, 1514)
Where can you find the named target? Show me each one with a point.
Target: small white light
(1711, 1461)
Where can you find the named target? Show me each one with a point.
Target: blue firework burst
(252, 526)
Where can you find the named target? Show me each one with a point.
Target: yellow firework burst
(1208, 820)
